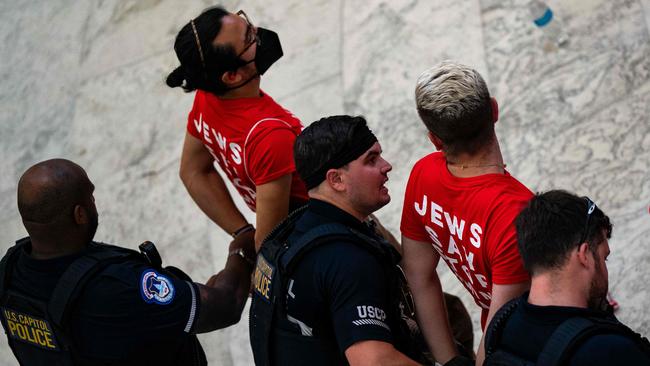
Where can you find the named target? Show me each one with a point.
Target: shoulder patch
(156, 288)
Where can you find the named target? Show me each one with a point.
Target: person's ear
(584, 255)
(435, 140)
(231, 77)
(80, 215)
(335, 180)
(495, 110)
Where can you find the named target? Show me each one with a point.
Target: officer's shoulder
(607, 348)
(342, 252)
(127, 271)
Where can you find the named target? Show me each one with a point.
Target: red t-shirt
(250, 138)
(469, 222)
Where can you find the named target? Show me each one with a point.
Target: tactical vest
(38, 331)
(277, 260)
(562, 343)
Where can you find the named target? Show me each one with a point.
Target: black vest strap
(8, 261)
(311, 238)
(78, 273)
(572, 332)
(565, 336)
(498, 322)
(328, 233)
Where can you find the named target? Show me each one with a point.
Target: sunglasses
(251, 36)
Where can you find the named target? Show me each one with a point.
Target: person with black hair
(337, 308)
(68, 300)
(234, 123)
(565, 319)
(325, 284)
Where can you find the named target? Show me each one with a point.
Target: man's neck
(50, 249)
(249, 90)
(553, 289)
(345, 206)
(488, 160)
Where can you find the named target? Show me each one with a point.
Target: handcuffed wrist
(240, 252)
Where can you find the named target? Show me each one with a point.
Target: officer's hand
(246, 241)
(460, 361)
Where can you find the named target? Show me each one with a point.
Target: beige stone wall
(85, 80)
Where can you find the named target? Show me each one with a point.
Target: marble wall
(85, 81)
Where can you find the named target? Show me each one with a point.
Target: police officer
(67, 300)
(329, 296)
(563, 240)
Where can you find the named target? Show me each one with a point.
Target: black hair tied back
(176, 78)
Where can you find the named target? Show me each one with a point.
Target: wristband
(244, 229)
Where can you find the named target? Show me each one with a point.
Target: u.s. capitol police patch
(156, 288)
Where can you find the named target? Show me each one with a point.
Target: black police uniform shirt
(530, 326)
(128, 311)
(337, 296)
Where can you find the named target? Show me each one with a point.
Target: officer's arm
(376, 353)
(224, 295)
(501, 294)
(419, 261)
(206, 187)
(272, 206)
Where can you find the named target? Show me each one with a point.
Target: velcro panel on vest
(31, 336)
(30, 324)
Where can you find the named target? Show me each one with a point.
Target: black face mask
(269, 50)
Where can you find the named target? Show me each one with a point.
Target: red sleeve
(194, 119)
(504, 258)
(411, 225)
(269, 153)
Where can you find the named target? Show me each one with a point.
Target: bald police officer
(67, 300)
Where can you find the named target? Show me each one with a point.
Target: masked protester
(234, 123)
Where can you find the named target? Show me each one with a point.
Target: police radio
(149, 251)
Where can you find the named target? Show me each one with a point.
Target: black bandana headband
(363, 140)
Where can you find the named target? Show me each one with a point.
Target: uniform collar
(58, 264)
(557, 314)
(321, 212)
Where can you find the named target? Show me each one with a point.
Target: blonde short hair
(454, 103)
